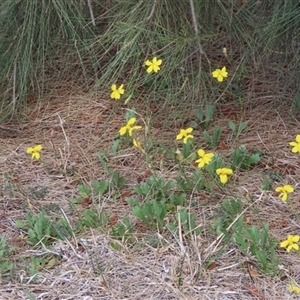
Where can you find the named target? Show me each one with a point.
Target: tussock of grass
(49, 42)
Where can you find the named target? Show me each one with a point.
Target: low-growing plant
(122, 231)
(226, 218)
(261, 245)
(38, 192)
(41, 228)
(266, 184)
(188, 183)
(237, 129)
(151, 212)
(205, 116)
(98, 188)
(6, 264)
(92, 218)
(118, 181)
(185, 222)
(155, 188)
(212, 140)
(242, 159)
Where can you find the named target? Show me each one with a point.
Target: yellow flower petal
(189, 130)
(30, 150)
(121, 89)
(201, 152)
(284, 244)
(295, 238)
(292, 246)
(123, 130)
(131, 121)
(223, 178)
(187, 137)
(133, 128)
(223, 173)
(179, 136)
(137, 144)
(294, 289)
(288, 188)
(200, 162)
(36, 155)
(283, 196)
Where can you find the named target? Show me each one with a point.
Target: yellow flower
(117, 92)
(204, 159)
(153, 66)
(223, 174)
(185, 135)
(290, 243)
(34, 151)
(294, 289)
(296, 145)
(137, 144)
(129, 127)
(284, 191)
(220, 74)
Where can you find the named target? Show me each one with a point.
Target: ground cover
(98, 216)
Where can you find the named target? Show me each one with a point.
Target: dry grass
(73, 128)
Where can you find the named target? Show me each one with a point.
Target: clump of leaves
(6, 265)
(92, 218)
(242, 159)
(41, 228)
(185, 222)
(260, 244)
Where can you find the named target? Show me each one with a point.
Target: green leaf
(216, 136)
(84, 191)
(240, 240)
(232, 126)
(118, 181)
(242, 126)
(254, 159)
(207, 137)
(115, 146)
(100, 187)
(76, 201)
(177, 199)
(199, 114)
(141, 213)
(133, 201)
(20, 224)
(172, 227)
(209, 112)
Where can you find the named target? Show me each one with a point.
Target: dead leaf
(222, 145)
(212, 266)
(253, 271)
(85, 202)
(144, 176)
(233, 117)
(113, 220)
(254, 291)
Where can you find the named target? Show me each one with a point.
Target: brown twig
(89, 2)
(152, 11)
(200, 50)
